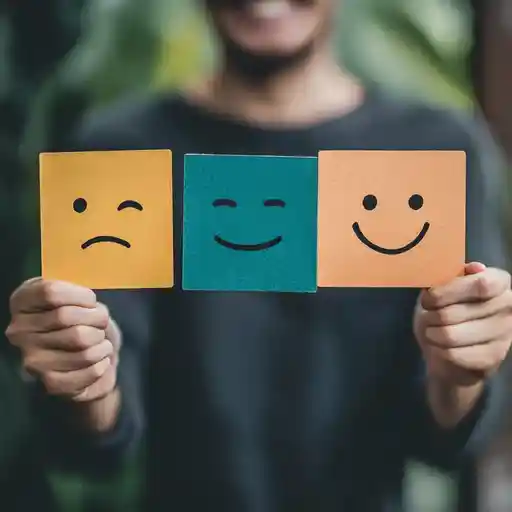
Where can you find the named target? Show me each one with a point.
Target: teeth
(270, 9)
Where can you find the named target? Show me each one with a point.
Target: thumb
(474, 267)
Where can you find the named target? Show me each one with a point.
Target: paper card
(391, 218)
(106, 218)
(250, 223)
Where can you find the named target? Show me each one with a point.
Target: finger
(459, 313)
(73, 339)
(43, 361)
(113, 333)
(100, 388)
(71, 383)
(480, 358)
(474, 287)
(474, 332)
(40, 295)
(62, 318)
(474, 267)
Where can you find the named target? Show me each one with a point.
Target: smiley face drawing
(391, 218)
(106, 218)
(248, 247)
(370, 203)
(249, 223)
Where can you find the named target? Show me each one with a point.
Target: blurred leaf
(450, 68)
(182, 55)
(382, 42)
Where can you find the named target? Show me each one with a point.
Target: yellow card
(106, 218)
(391, 218)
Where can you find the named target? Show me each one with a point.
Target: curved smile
(106, 238)
(248, 247)
(391, 252)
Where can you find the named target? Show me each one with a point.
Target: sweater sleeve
(486, 203)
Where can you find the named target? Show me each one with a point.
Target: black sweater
(280, 402)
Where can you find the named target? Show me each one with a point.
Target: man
(276, 402)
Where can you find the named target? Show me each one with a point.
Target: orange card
(391, 218)
(106, 218)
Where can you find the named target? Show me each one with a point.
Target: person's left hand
(464, 328)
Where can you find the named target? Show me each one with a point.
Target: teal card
(250, 223)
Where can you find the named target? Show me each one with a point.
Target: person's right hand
(67, 339)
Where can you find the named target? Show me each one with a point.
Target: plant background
(61, 57)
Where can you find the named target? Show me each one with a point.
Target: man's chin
(263, 64)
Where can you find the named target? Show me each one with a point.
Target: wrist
(99, 415)
(451, 402)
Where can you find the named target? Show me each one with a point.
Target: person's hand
(67, 339)
(464, 328)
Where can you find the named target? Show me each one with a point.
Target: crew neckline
(197, 113)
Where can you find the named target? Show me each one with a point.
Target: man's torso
(275, 402)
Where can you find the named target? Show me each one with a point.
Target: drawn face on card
(106, 218)
(249, 223)
(391, 218)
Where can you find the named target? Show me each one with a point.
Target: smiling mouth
(106, 238)
(384, 250)
(248, 247)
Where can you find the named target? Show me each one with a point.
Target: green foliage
(121, 492)
(417, 48)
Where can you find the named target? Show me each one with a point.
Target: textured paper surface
(124, 197)
(250, 223)
(375, 207)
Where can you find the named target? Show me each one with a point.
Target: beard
(261, 67)
(254, 66)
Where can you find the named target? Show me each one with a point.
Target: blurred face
(271, 31)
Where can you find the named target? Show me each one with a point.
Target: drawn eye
(275, 202)
(370, 202)
(415, 202)
(129, 204)
(224, 202)
(80, 205)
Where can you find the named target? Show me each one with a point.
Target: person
(275, 402)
